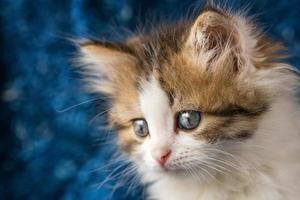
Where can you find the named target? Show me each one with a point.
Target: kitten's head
(182, 94)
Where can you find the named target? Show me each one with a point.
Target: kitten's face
(179, 130)
(180, 97)
(182, 118)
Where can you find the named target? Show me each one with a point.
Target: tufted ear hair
(105, 66)
(217, 36)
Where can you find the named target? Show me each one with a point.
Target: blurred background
(51, 147)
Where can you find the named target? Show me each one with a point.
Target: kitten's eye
(140, 127)
(188, 120)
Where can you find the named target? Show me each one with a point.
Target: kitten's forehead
(154, 105)
(152, 95)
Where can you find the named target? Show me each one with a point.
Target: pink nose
(163, 157)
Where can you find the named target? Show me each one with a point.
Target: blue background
(47, 152)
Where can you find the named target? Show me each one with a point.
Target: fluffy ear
(218, 37)
(106, 65)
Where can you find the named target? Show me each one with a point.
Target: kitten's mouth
(166, 168)
(172, 169)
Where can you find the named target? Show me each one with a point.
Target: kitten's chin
(169, 170)
(159, 173)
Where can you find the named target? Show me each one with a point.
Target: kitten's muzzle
(161, 156)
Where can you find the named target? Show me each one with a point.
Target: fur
(248, 142)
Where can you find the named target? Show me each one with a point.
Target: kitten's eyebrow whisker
(98, 115)
(104, 128)
(79, 104)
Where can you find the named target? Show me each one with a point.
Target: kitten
(205, 109)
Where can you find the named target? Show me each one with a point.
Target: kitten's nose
(162, 156)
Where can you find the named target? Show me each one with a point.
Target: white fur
(155, 107)
(265, 167)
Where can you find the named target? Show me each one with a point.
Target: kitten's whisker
(109, 164)
(104, 143)
(79, 104)
(217, 168)
(126, 174)
(237, 162)
(206, 178)
(232, 164)
(104, 128)
(195, 175)
(220, 167)
(190, 170)
(120, 182)
(116, 158)
(110, 177)
(198, 170)
(240, 167)
(134, 181)
(227, 163)
(206, 171)
(98, 115)
(224, 153)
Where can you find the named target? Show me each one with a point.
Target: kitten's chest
(189, 190)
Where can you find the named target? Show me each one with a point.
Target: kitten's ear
(218, 37)
(104, 65)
